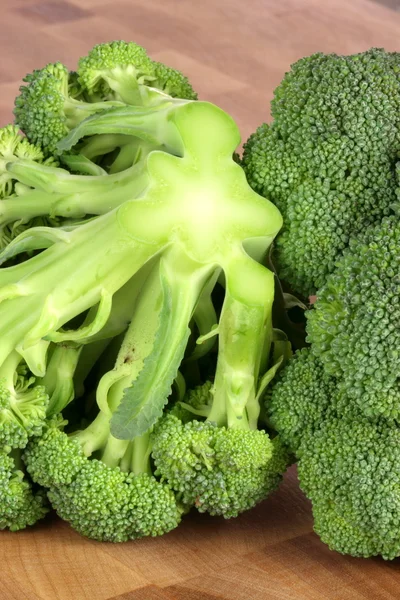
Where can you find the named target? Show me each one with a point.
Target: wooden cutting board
(269, 553)
(235, 52)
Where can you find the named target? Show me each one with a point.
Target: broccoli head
(20, 504)
(350, 471)
(45, 109)
(123, 71)
(23, 404)
(353, 327)
(328, 159)
(218, 469)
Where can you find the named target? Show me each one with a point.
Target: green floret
(302, 396)
(220, 470)
(122, 71)
(351, 469)
(354, 325)
(328, 159)
(46, 110)
(22, 404)
(20, 504)
(108, 505)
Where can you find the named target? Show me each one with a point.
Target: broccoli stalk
(196, 213)
(133, 503)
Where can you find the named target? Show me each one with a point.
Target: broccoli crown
(328, 159)
(353, 327)
(302, 396)
(221, 471)
(54, 459)
(353, 469)
(40, 109)
(113, 71)
(106, 504)
(99, 501)
(23, 407)
(20, 506)
(14, 146)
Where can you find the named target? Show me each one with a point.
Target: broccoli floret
(46, 111)
(350, 471)
(23, 404)
(354, 325)
(328, 159)
(303, 396)
(123, 71)
(20, 504)
(220, 470)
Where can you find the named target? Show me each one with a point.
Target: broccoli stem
(141, 449)
(58, 193)
(244, 325)
(76, 111)
(58, 379)
(150, 124)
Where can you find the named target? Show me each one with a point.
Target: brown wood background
(235, 52)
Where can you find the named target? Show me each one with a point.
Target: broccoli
(220, 465)
(124, 72)
(23, 404)
(35, 192)
(21, 504)
(102, 485)
(328, 158)
(54, 101)
(202, 190)
(45, 109)
(350, 471)
(354, 325)
(303, 396)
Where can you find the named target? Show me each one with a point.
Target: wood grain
(235, 53)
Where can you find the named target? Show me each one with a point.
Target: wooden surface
(235, 52)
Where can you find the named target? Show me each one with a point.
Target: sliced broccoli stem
(244, 325)
(205, 318)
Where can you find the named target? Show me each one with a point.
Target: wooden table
(235, 52)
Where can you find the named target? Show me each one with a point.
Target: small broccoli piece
(22, 404)
(353, 327)
(328, 159)
(350, 471)
(123, 71)
(20, 504)
(46, 111)
(302, 397)
(220, 470)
